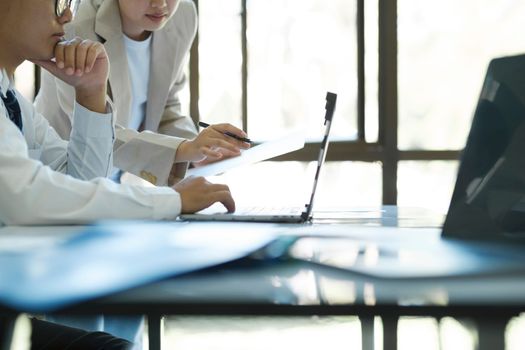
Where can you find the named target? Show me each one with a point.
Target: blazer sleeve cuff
(147, 155)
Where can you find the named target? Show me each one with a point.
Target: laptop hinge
(305, 214)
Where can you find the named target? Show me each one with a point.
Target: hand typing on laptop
(197, 193)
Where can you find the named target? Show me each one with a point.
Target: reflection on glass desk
(313, 272)
(295, 288)
(386, 216)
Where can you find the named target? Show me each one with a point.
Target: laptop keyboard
(273, 211)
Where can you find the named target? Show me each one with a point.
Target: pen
(227, 133)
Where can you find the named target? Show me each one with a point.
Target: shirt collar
(5, 83)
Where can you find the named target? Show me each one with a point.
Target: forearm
(93, 98)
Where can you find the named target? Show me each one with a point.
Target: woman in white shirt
(148, 42)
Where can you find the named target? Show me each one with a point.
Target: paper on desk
(267, 150)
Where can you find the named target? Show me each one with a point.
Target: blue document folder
(111, 257)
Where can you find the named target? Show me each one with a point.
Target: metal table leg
(491, 333)
(154, 331)
(390, 332)
(367, 332)
(7, 326)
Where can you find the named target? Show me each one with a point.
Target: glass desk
(287, 285)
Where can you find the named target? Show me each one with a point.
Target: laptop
(484, 230)
(277, 215)
(488, 202)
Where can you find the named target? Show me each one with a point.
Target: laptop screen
(489, 197)
(331, 100)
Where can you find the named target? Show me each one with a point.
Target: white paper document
(267, 150)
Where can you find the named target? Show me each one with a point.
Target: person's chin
(152, 26)
(48, 54)
(45, 55)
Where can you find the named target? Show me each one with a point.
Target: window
(298, 50)
(407, 73)
(266, 66)
(220, 62)
(444, 51)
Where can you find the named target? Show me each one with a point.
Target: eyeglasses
(62, 5)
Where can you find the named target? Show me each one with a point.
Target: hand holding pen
(215, 142)
(231, 134)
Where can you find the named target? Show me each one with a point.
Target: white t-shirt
(139, 58)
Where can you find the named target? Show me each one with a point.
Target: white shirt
(139, 58)
(39, 173)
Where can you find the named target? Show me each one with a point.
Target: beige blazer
(149, 153)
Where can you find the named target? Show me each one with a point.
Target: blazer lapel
(108, 26)
(163, 58)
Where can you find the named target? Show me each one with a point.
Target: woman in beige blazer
(150, 149)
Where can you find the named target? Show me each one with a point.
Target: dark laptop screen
(489, 197)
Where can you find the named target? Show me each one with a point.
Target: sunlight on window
(220, 61)
(447, 334)
(343, 332)
(426, 184)
(371, 71)
(298, 50)
(515, 334)
(262, 333)
(455, 336)
(342, 184)
(415, 331)
(444, 51)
